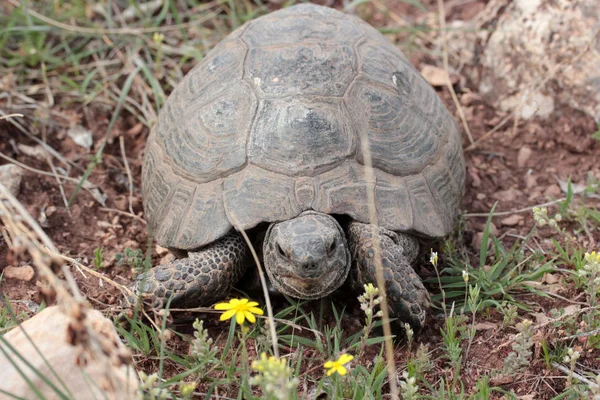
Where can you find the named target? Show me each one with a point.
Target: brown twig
(125, 213)
(263, 284)
(518, 211)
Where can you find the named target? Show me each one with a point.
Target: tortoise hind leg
(200, 279)
(407, 298)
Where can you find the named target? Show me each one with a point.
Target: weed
(368, 301)
(187, 390)
(509, 314)
(421, 363)
(140, 337)
(451, 336)
(149, 388)
(571, 358)
(132, 258)
(510, 273)
(596, 135)
(520, 357)
(474, 304)
(98, 259)
(408, 387)
(202, 348)
(274, 377)
(6, 321)
(591, 275)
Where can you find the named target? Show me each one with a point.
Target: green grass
(500, 275)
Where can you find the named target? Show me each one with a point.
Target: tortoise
(289, 129)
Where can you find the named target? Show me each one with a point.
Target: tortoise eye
(332, 247)
(280, 251)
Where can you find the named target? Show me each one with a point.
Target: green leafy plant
(596, 135)
(510, 272)
(131, 258)
(98, 259)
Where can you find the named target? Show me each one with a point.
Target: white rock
(97, 378)
(539, 54)
(11, 176)
(437, 76)
(524, 154)
(81, 136)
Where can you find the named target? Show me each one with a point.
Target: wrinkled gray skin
(307, 257)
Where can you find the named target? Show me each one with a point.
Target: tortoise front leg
(407, 298)
(200, 279)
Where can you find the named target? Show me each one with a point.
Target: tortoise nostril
(310, 266)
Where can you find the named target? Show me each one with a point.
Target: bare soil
(498, 170)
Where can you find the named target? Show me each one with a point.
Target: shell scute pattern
(273, 122)
(428, 219)
(206, 216)
(379, 63)
(395, 210)
(301, 69)
(248, 194)
(399, 141)
(300, 137)
(305, 29)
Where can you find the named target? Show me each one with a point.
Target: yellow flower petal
(223, 306)
(329, 364)
(342, 370)
(250, 317)
(331, 371)
(239, 317)
(345, 358)
(234, 302)
(242, 301)
(252, 304)
(227, 314)
(256, 310)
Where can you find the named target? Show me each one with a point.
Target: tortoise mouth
(309, 288)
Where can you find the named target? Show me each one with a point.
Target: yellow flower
(268, 363)
(338, 366)
(593, 257)
(243, 309)
(370, 290)
(158, 37)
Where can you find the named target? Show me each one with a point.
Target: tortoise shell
(279, 118)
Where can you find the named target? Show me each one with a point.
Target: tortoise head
(306, 257)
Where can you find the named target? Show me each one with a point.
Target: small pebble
(512, 220)
(25, 273)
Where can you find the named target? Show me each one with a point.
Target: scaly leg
(407, 298)
(200, 279)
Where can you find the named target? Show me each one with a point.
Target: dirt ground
(516, 167)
